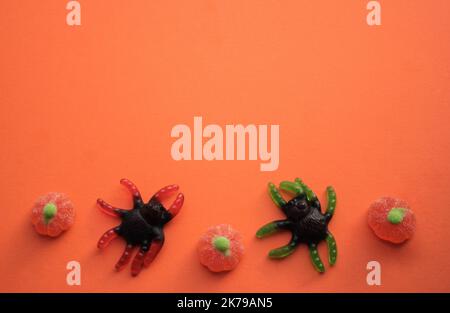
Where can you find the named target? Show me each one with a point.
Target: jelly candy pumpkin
(220, 248)
(52, 214)
(391, 219)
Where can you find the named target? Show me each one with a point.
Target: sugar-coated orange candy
(52, 214)
(220, 248)
(391, 219)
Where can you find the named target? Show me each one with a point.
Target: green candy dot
(396, 215)
(222, 244)
(49, 212)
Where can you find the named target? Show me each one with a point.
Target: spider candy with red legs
(304, 220)
(141, 226)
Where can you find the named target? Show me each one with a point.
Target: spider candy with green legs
(305, 221)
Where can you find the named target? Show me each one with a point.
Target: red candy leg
(176, 205)
(163, 193)
(125, 258)
(133, 190)
(106, 238)
(153, 252)
(108, 209)
(138, 262)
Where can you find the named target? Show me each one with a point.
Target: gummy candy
(391, 219)
(52, 214)
(220, 248)
(141, 226)
(304, 220)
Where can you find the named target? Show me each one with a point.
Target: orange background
(365, 109)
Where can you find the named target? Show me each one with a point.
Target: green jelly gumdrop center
(396, 215)
(222, 244)
(49, 211)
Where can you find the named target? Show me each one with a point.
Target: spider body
(305, 221)
(145, 221)
(141, 226)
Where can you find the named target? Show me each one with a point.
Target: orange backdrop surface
(365, 109)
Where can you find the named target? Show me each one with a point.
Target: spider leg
(286, 250)
(176, 205)
(137, 199)
(155, 247)
(107, 237)
(109, 209)
(293, 188)
(310, 195)
(164, 192)
(331, 205)
(276, 196)
(273, 227)
(125, 258)
(315, 258)
(332, 249)
(138, 261)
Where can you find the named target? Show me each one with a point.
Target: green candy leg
(331, 196)
(310, 195)
(332, 249)
(272, 228)
(281, 252)
(276, 196)
(315, 258)
(286, 250)
(293, 188)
